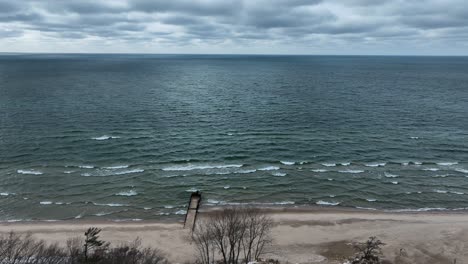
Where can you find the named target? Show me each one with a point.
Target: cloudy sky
(399, 27)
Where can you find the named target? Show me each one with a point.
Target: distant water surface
(128, 137)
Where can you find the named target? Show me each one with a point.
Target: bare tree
(19, 249)
(133, 253)
(257, 236)
(24, 249)
(369, 252)
(237, 235)
(204, 241)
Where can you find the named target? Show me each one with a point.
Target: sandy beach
(300, 236)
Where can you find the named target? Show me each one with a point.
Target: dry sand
(300, 236)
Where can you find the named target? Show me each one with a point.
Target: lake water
(128, 137)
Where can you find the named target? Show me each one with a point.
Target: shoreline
(300, 235)
(298, 209)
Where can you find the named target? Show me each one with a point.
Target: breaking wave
(190, 167)
(31, 172)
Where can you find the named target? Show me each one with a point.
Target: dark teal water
(129, 136)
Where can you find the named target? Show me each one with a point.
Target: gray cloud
(234, 25)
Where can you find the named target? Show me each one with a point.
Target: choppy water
(130, 136)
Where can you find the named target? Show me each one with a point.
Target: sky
(336, 27)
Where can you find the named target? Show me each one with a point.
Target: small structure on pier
(192, 210)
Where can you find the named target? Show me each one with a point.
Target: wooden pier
(192, 210)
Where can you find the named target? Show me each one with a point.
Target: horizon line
(227, 54)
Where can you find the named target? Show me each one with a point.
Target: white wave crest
(180, 212)
(284, 203)
(268, 168)
(5, 194)
(394, 182)
(440, 175)
(371, 200)
(389, 175)
(329, 164)
(79, 216)
(366, 208)
(128, 220)
(431, 169)
(227, 187)
(379, 164)
(279, 174)
(425, 209)
(190, 167)
(345, 163)
(212, 201)
(86, 167)
(351, 171)
(127, 193)
(105, 137)
(448, 163)
(116, 167)
(440, 191)
(455, 192)
(110, 204)
(31, 172)
(288, 162)
(327, 203)
(45, 202)
(103, 213)
(319, 170)
(245, 171)
(192, 190)
(129, 171)
(102, 173)
(462, 170)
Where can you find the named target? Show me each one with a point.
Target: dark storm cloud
(182, 22)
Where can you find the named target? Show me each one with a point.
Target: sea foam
(327, 203)
(389, 175)
(319, 170)
(190, 167)
(127, 193)
(103, 173)
(351, 171)
(378, 164)
(447, 163)
(110, 204)
(279, 174)
(116, 167)
(86, 167)
(288, 162)
(31, 172)
(105, 137)
(268, 168)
